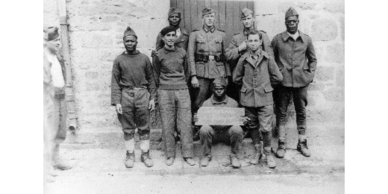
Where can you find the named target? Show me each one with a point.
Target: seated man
(229, 134)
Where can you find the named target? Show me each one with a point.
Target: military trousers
(232, 135)
(260, 124)
(283, 99)
(176, 115)
(136, 114)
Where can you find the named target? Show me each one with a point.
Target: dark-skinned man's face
(130, 43)
(292, 24)
(174, 19)
(219, 91)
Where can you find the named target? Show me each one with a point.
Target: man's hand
(151, 105)
(245, 120)
(243, 46)
(194, 82)
(153, 53)
(119, 109)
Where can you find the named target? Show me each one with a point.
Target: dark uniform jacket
(296, 59)
(256, 77)
(203, 45)
(182, 41)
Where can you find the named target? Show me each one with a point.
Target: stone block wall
(96, 29)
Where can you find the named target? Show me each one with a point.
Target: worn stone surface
(334, 7)
(324, 73)
(324, 30)
(335, 53)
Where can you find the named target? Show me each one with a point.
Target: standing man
(172, 72)
(238, 46)
(256, 72)
(174, 19)
(54, 103)
(232, 135)
(295, 56)
(133, 94)
(206, 56)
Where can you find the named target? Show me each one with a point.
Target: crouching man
(256, 71)
(232, 135)
(133, 94)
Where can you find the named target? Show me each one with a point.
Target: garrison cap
(129, 32)
(174, 10)
(167, 30)
(208, 10)
(291, 12)
(50, 33)
(219, 81)
(246, 12)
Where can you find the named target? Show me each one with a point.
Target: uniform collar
(286, 36)
(225, 101)
(260, 54)
(207, 29)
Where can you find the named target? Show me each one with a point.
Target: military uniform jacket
(207, 43)
(296, 59)
(232, 52)
(181, 42)
(256, 77)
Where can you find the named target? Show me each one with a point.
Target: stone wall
(96, 28)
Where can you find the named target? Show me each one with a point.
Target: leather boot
(189, 161)
(256, 157)
(281, 149)
(302, 148)
(146, 159)
(130, 160)
(268, 158)
(205, 160)
(235, 161)
(170, 161)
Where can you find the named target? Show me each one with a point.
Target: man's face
(174, 19)
(292, 24)
(247, 21)
(254, 42)
(130, 43)
(219, 90)
(209, 19)
(169, 38)
(54, 45)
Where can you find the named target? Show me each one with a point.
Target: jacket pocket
(218, 45)
(243, 90)
(221, 69)
(200, 68)
(201, 45)
(268, 89)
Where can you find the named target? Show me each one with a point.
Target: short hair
(254, 32)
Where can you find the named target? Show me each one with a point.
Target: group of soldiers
(190, 71)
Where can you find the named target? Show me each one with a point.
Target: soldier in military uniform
(295, 56)
(206, 56)
(238, 46)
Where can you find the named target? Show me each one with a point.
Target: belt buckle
(211, 57)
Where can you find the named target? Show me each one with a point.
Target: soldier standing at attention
(171, 73)
(238, 46)
(206, 56)
(294, 54)
(257, 71)
(133, 93)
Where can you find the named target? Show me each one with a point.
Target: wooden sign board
(220, 116)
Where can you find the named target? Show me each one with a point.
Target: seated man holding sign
(220, 119)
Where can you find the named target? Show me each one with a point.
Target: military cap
(291, 12)
(246, 12)
(129, 32)
(50, 33)
(167, 30)
(207, 10)
(219, 81)
(174, 10)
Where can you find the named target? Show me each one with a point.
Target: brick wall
(96, 28)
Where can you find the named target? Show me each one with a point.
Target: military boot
(281, 149)
(235, 161)
(130, 160)
(268, 158)
(256, 157)
(302, 148)
(146, 159)
(189, 161)
(170, 161)
(205, 160)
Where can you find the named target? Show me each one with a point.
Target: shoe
(256, 157)
(146, 159)
(130, 160)
(189, 161)
(302, 148)
(205, 160)
(268, 158)
(281, 149)
(235, 161)
(59, 164)
(170, 161)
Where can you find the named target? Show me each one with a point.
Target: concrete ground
(102, 170)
